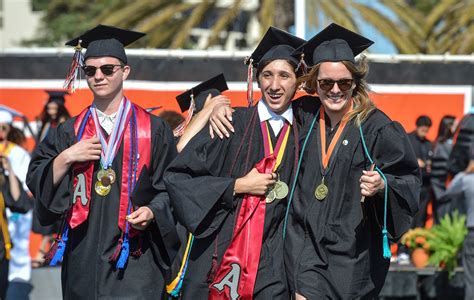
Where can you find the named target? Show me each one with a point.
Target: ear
(125, 72)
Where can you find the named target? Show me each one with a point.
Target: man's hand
(254, 183)
(370, 183)
(84, 150)
(220, 121)
(141, 218)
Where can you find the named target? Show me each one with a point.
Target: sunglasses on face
(107, 69)
(343, 84)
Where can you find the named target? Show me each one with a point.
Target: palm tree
(444, 26)
(420, 26)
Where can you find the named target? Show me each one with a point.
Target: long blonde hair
(363, 105)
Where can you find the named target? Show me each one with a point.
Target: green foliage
(63, 20)
(419, 26)
(446, 241)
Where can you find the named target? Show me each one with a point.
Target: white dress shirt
(106, 121)
(276, 121)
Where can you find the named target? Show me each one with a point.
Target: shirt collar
(265, 113)
(103, 115)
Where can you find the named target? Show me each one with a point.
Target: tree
(425, 26)
(419, 26)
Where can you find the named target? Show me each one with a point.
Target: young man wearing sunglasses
(102, 171)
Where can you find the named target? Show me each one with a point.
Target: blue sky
(382, 45)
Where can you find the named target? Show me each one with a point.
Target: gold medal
(101, 174)
(321, 191)
(105, 181)
(111, 175)
(102, 190)
(270, 196)
(280, 189)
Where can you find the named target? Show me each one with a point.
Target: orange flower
(420, 240)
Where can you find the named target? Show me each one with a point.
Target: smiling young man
(231, 194)
(115, 242)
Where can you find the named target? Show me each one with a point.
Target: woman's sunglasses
(107, 70)
(343, 84)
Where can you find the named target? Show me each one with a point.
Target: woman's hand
(370, 183)
(220, 121)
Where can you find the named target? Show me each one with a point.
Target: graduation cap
(100, 41)
(193, 100)
(333, 43)
(214, 86)
(57, 96)
(275, 44)
(105, 40)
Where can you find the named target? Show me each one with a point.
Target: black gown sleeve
(394, 155)
(50, 202)
(24, 202)
(163, 152)
(200, 195)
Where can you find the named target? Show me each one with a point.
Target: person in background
(14, 240)
(424, 153)
(464, 136)
(200, 102)
(53, 114)
(439, 168)
(172, 118)
(462, 186)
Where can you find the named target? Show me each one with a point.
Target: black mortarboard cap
(57, 96)
(213, 86)
(333, 43)
(105, 40)
(276, 44)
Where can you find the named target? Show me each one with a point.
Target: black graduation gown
(87, 273)
(459, 157)
(331, 250)
(201, 190)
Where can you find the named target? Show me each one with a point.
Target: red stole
(136, 154)
(236, 276)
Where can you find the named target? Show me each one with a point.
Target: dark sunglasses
(105, 69)
(343, 84)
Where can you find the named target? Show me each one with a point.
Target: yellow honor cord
(170, 287)
(4, 225)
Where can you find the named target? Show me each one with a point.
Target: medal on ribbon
(322, 190)
(280, 189)
(106, 176)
